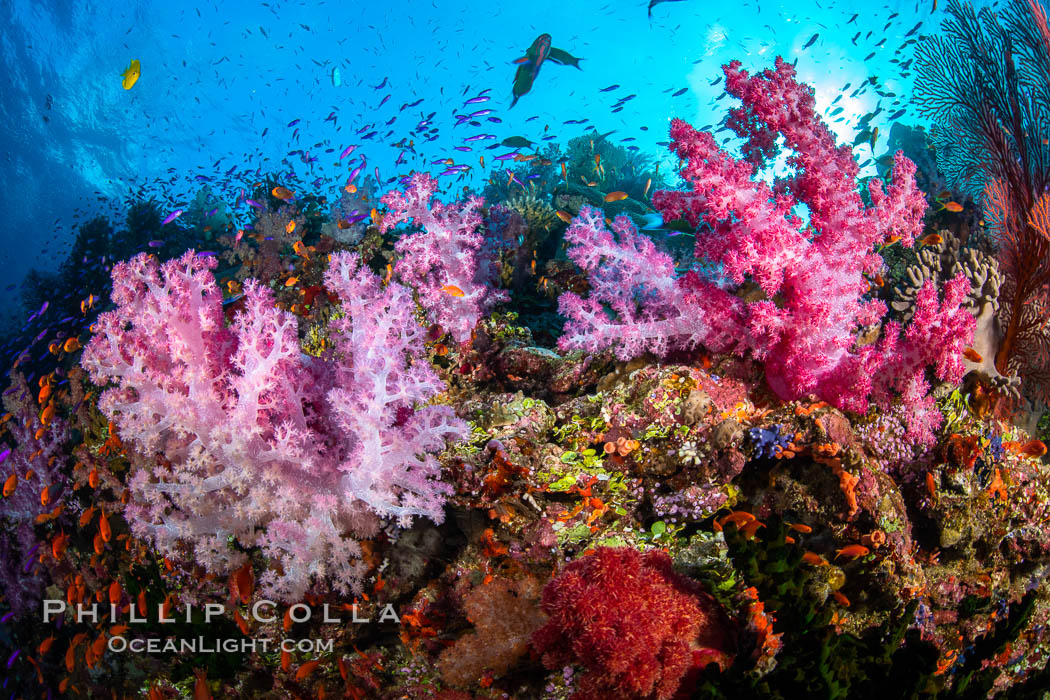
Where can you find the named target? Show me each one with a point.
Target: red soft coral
(636, 626)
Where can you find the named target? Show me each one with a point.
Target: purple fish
(347, 151)
(206, 254)
(4, 619)
(506, 156)
(378, 179)
(465, 149)
(293, 122)
(475, 100)
(212, 212)
(4, 455)
(11, 659)
(171, 217)
(354, 173)
(156, 244)
(481, 113)
(253, 203)
(384, 100)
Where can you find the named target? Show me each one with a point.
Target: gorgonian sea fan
(815, 277)
(984, 81)
(235, 434)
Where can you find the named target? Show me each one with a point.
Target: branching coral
(986, 84)
(636, 626)
(238, 436)
(814, 277)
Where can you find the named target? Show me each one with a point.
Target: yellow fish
(131, 75)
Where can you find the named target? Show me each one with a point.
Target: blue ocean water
(231, 90)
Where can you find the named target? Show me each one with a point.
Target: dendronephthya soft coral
(814, 277)
(447, 262)
(235, 433)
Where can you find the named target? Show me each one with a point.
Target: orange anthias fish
(10, 484)
(972, 355)
(1032, 448)
(306, 669)
(564, 216)
(452, 290)
(282, 193)
(615, 196)
(814, 559)
(931, 239)
(852, 551)
(953, 207)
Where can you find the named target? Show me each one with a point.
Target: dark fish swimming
(654, 3)
(529, 64)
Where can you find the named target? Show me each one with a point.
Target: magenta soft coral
(236, 434)
(447, 262)
(637, 627)
(814, 277)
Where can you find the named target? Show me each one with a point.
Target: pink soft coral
(814, 277)
(236, 434)
(447, 261)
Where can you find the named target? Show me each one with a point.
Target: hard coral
(447, 262)
(258, 443)
(636, 626)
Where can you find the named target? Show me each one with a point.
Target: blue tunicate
(768, 441)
